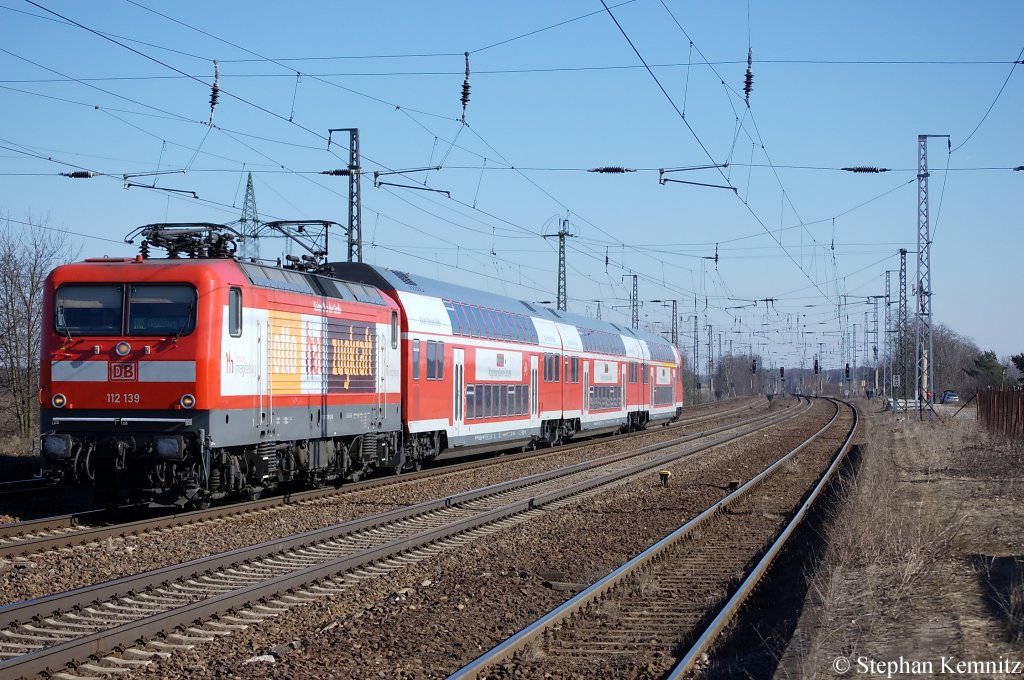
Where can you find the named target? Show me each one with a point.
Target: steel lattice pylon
(924, 371)
(250, 223)
(887, 366)
(563, 297)
(696, 357)
(901, 330)
(636, 304)
(355, 200)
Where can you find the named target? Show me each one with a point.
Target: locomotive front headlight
(59, 400)
(122, 348)
(187, 401)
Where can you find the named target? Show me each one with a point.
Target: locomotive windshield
(100, 309)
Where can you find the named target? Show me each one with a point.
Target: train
(204, 375)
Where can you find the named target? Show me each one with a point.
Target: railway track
(661, 612)
(33, 536)
(20, 486)
(51, 633)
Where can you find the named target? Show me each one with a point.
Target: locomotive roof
(393, 280)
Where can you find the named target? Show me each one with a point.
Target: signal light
(753, 366)
(847, 371)
(782, 372)
(815, 367)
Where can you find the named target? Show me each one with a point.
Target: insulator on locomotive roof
(144, 249)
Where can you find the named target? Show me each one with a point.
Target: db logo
(124, 371)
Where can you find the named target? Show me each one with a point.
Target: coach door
(534, 406)
(458, 392)
(586, 387)
(382, 377)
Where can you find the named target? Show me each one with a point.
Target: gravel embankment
(60, 570)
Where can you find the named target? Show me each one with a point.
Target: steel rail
(16, 486)
(75, 650)
(577, 603)
(13, 545)
(735, 603)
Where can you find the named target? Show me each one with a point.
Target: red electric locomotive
(179, 381)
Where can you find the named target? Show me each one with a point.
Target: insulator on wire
(215, 90)
(748, 81)
(79, 174)
(865, 168)
(465, 90)
(611, 169)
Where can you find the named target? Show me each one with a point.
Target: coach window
(394, 330)
(440, 361)
(415, 359)
(558, 367)
(235, 312)
(470, 401)
(644, 369)
(431, 360)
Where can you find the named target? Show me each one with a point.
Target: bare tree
(27, 255)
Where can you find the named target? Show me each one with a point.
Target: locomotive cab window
(89, 310)
(153, 309)
(161, 309)
(235, 312)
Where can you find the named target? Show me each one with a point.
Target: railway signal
(815, 367)
(782, 372)
(753, 365)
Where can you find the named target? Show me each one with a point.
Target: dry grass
(880, 549)
(1004, 580)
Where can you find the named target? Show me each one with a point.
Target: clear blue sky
(553, 104)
